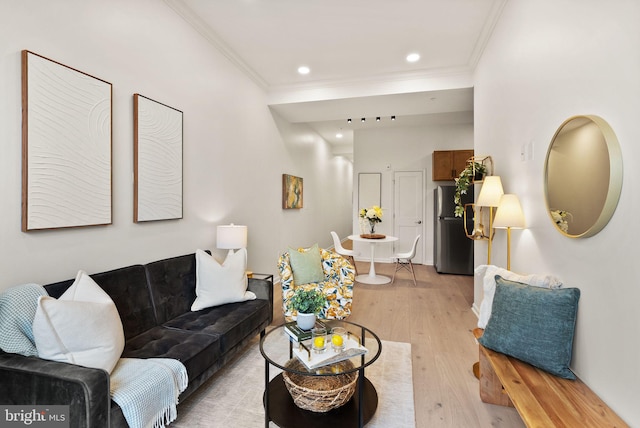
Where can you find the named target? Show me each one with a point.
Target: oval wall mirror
(583, 176)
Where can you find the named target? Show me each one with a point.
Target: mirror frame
(615, 176)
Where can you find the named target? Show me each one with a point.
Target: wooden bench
(541, 399)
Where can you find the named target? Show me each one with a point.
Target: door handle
(419, 222)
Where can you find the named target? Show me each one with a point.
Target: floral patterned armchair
(337, 285)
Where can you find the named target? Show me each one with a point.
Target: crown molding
(417, 80)
(487, 30)
(376, 80)
(388, 84)
(186, 13)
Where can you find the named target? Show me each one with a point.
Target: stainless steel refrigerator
(452, 250)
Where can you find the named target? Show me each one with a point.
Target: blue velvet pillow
(533, 324)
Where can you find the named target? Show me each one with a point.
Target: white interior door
(408, 211)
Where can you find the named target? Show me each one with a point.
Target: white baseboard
(475, 309)
(385, 260)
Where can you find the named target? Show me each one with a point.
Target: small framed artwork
(291, 192)
(157, 159)
(66, 146)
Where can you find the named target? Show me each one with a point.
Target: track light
(363, 119)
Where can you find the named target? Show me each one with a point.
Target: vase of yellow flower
(373, 216)
(561, 219)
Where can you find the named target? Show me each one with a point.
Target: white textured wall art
(66, 143)
(158, 160)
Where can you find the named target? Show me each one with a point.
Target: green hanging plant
(473, 171)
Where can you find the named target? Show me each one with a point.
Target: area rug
(233, 397)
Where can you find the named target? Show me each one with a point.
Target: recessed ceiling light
(338, 135)
(303, 69)
(413, 57)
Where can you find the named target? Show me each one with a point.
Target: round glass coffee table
(278, 350)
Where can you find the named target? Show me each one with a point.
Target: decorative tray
(313, 360)
(373, 236)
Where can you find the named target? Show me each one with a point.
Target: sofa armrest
(34, 381)
(263, 289)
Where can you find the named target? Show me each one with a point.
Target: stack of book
(298, 334)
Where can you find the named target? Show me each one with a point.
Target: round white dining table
(371, 277)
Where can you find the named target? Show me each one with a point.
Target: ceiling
(356, 52)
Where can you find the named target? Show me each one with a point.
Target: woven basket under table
(320, 393)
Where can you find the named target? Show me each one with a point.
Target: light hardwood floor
(436, 318)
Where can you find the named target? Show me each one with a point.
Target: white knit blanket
(147, 390)
(18, 306)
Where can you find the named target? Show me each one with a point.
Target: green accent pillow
(533, 324)
(306, 265)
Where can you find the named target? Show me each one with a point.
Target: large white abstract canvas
(66, 144)
(158, 160)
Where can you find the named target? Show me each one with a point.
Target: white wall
(548, 60)
(404, 148)
(235, 150)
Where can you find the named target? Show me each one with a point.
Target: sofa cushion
(487, 273)
(128, 289)
(196, 351)
(172, 285)
(306, 264)
(219, 284)
(82, 327)
(533, 324)
(231, 322)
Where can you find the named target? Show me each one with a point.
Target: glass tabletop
(278, 349)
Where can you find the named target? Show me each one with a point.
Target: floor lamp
(489, 196)
(509, 216)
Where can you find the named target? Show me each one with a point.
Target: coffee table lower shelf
(284, 413)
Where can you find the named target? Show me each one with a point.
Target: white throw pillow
(217, 284)
(488, 275)
(82, 327)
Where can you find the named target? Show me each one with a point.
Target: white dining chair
(403, 261)
(338, 248)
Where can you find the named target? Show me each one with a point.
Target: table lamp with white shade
(490, 194)
(231, 237)
(509, 216)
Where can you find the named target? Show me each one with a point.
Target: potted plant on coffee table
(307, 303)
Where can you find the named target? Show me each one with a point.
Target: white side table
(371, 277)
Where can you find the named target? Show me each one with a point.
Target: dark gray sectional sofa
(154, 303)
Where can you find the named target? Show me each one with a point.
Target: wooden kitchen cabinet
(448, 164)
